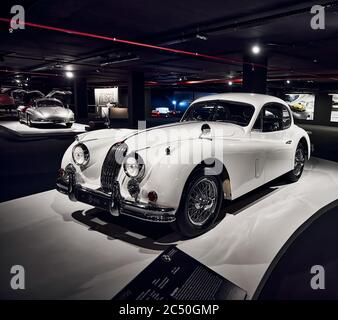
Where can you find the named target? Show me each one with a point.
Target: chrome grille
(112, 165)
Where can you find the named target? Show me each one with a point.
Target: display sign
(302, 105)
(103, 96)
(334, 110)
(174, 275)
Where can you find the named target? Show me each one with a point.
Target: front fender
(167, 174)
(300, 133)
(98, 143)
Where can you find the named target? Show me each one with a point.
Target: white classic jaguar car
(224, 146)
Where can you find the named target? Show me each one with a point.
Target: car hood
(163, 134)
(108, 135)
(99, 142)
(181, 131)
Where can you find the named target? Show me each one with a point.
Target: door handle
(288, 142)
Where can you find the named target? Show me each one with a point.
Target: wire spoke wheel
(202, 201)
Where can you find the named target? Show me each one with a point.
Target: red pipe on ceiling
(145, 45)
(134, 43)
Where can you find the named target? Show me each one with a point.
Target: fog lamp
(133, 187)
(152, 196)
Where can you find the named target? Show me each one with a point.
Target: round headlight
(134, 166)
(80, 154)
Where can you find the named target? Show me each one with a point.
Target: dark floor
(29, 166)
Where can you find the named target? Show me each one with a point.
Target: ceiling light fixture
(69, 74)
(256, 49)
(230, 83)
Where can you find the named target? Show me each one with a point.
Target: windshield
(49, 103)
(222, 111)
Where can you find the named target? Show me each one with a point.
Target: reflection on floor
(71, 251)
(23, 130)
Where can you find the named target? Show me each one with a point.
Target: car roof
(254, 99)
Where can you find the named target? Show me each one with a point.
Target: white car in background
(225, 146)
(48, 109)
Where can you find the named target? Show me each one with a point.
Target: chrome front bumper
(113, 202)
(51, 121)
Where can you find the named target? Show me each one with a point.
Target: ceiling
(282, 28)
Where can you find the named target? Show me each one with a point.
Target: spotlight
(288, 81)
(256, 49)
(230, 83)
(69, 74)
(183, 103)
(174, 102)
(18, 80)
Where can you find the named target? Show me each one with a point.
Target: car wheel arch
(304, 142)
(221, 171)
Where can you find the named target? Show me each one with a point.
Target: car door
(273, 129)
(241, 157)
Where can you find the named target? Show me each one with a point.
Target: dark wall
(323, 108)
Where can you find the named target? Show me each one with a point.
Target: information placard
(174, 275)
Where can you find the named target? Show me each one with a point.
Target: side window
(273, 117)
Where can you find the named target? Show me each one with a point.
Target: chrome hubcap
(202, 200)
(299, 161)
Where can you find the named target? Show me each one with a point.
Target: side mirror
(205, 132)
(205, 128)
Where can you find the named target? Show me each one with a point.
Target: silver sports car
(47, 110)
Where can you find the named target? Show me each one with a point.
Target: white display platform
(64, 259)
(23, 130)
